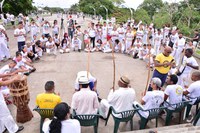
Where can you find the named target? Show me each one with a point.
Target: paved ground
(63, 68)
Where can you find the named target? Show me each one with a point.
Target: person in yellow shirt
(48, 99)
(163, 63)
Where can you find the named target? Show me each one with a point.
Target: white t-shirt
(50, 43)
(68, 126)
(20, 38)
(194, 90)
(92, 32)
(104, 30)
(46, 28)
(158, 39)
(43, 40)
(175, 93)
(152, 99)
(110, 29)
(191, 61)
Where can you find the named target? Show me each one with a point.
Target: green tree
(19, 6)
(151, 6)
(142, 14)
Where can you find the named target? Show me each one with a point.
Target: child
(65, 48)
(50, 46)
(99, 45)
(143, 52)
(56, 40)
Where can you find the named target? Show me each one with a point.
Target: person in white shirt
(143, 52)
(193, 90)
(34, 29)
(61, 122)
(151, 53)
(43, 40)
(46, 28)
(173, 38)
(65, 47)
(137, 47)
(178, 48)
(128, 40)
(92, 34)
(173, 92)
(104, 33)
(50, 46)
(188, 63)
(114, 34)
(152, 99)
(4, 50)
(6, 119)
(158, 39)
(27, 24)
(109, 30)
(55, 29)
(85, 101)
(20, 33)
(121, 99)
(76, 43)
(121, 32)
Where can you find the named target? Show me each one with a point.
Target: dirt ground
(62, 69)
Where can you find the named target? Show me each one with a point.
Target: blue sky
(67, 3)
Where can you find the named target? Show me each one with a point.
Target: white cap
(157, 81)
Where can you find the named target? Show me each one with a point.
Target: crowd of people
(164, 50)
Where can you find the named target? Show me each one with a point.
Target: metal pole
(131, 13)
(2, 5)
(106, 11)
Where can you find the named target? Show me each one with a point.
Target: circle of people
(161, 49)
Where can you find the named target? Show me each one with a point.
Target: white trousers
(104, 108)
(76, 46)
(4, 51)
(183, 80)
(52, 50)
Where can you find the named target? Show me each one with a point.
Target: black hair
(85, 85)
(38, 42)
(63, 41)
(144, 45)
(49, 85)
(60, 112)
(18, 54)
(100, 41)
(189, 50)
(173, 78)
(117, 41)
(13, 61)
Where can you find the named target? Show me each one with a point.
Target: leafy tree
(151, 6)
(19, 6)
(142, 14)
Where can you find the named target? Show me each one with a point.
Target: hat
(124, 80)
(157, 81)
(83, 80)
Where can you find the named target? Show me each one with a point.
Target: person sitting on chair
(121, 99)
(61, 122)
(193, 91)
(48, 99)
(85, 101)
(152, 99)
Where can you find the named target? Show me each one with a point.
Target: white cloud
(67, 3)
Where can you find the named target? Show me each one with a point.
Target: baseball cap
(157, 81)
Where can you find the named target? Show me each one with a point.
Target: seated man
(121, 99)
(6, 119)
(193, 91)
(48, 99)
(152, 99)
(92, 80)
(85, 101)
(173, 92)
